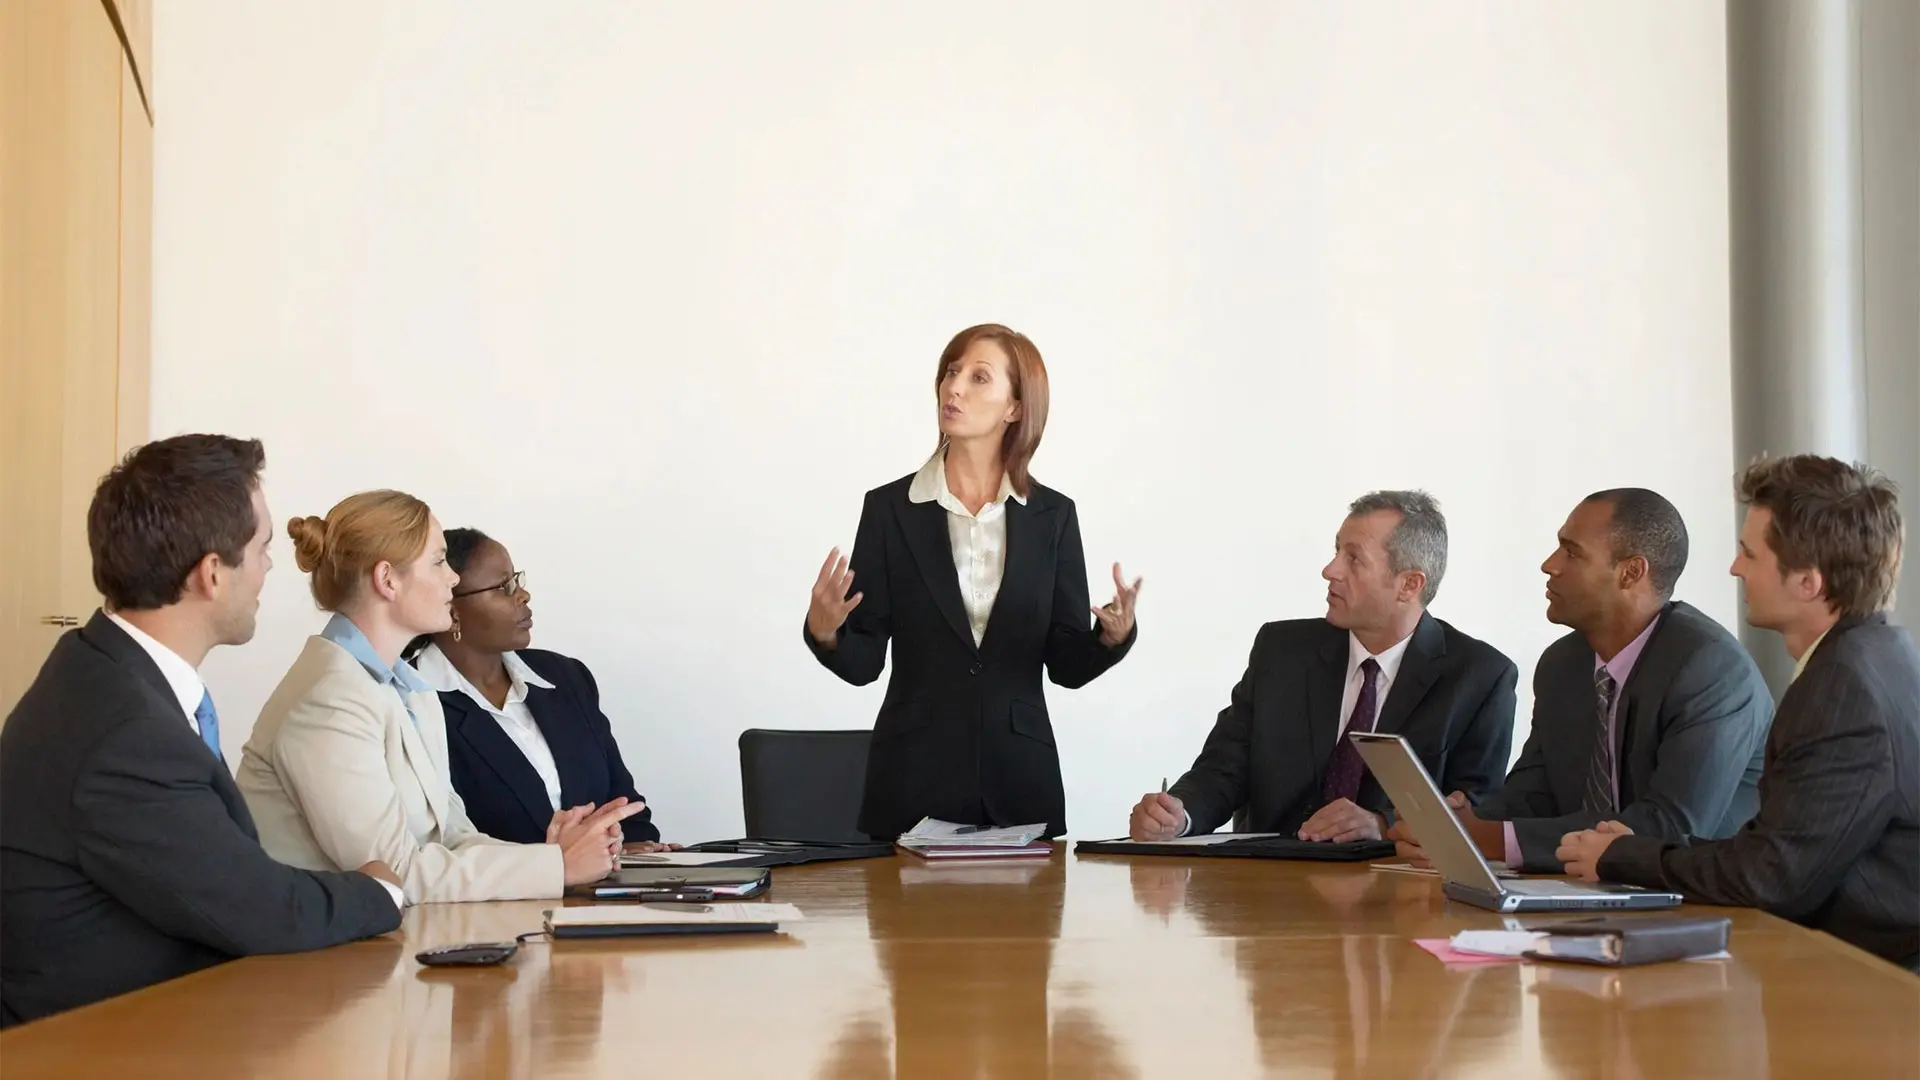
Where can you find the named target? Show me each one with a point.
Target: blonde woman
(348, 761)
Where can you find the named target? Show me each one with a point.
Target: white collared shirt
(181, 676)
(1389, 662)
(514, 718)
(978, 541)
(1800, 665)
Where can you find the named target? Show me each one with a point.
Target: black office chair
(803, 785)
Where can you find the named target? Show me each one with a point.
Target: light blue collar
(401, 676)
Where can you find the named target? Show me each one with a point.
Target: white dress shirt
(181, 676)
(190, 689)
(1357, 654)
(514, 718)
(1389, 661)
(1800, 665)
(979, 541)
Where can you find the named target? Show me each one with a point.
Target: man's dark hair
(165, 507)
(1647, 525)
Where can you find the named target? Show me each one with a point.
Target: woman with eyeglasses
(973, 576)
(525, 734)
(347, 763)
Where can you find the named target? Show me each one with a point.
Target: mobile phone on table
(471, 954)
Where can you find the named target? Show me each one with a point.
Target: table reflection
(1346, 997)
(1687, 1018)
(967, 953)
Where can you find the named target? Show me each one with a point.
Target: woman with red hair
(976, 575)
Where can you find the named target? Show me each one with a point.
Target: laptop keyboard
(1549, 888)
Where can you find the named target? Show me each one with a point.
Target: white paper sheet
(1204, 841)
(680, 858)
(934, 832)
(732, 911)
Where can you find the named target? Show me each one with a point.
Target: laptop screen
(1415, 797)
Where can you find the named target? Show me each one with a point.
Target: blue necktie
(209, 722)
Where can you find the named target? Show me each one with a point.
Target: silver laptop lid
(1399, 773)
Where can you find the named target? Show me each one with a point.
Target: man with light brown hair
(1836, 842)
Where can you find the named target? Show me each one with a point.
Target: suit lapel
(571, 743)
(1025, 559)
(433, 778)
(106, 636)
(1326, 676)
(1419, 666)
(926, 527)
(1626, 710)
(479, 730)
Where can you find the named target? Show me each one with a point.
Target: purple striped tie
(1346, 770)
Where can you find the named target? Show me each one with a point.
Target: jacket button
(974, 670)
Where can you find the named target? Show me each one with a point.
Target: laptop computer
(1464, 871)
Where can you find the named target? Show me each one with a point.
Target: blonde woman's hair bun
(309, 542)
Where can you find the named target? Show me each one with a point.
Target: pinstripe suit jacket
(1836, 842)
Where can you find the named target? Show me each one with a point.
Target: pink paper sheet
(1442, 948)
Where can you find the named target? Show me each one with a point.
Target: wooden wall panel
(134, 402)
(61, 207)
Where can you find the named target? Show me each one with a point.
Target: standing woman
(976, 575)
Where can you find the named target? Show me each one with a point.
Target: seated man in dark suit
(127, 856)
(1649, 711)
(1376, 662)
(1836, 842)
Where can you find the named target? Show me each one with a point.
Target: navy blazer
(504, 795)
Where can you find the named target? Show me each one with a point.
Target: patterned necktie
(1347, 769)
(209, 722)
(1599, 793)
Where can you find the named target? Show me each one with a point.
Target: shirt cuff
(1186, 822)
(1514, 858)
(399, 898)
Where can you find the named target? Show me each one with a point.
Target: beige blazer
(337, 776)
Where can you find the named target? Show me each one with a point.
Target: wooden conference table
(1076, 967)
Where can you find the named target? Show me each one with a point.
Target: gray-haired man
(1377, 662)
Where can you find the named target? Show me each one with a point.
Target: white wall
(654, 292)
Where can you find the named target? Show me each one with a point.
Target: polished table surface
(1076, 967)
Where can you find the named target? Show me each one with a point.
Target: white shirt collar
(930, 485)
(433, 666)
(1389, 660)
(180, 675)
(1800, 665)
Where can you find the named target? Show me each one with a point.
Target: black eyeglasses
(509, 588)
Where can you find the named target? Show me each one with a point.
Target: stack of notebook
(945, 841)
(619, 920)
